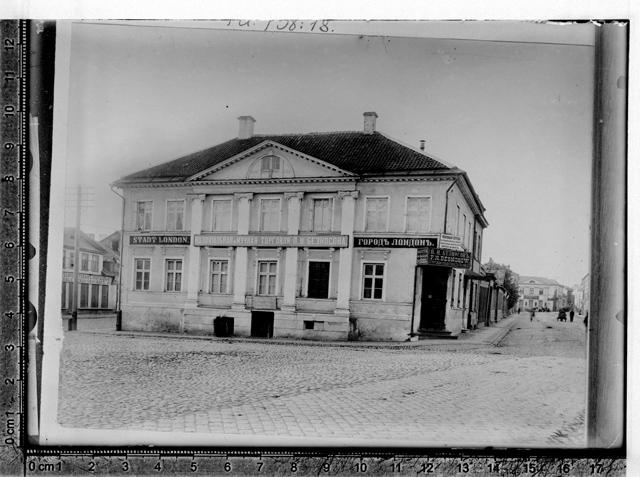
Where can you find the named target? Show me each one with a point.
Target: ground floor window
(105, 296)
(95, 295)
(64, 295)
(267, 274)
(318, 282)
(219, 276)
(142, 268)
(372, 281)
(173, 281)
(84, 295)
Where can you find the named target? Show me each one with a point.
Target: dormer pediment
(269, 160)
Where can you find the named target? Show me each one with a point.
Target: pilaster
(346, 254)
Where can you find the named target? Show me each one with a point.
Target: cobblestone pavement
(529, 391)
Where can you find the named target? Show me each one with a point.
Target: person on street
(571, 314)
(532, 314)
(586, 319)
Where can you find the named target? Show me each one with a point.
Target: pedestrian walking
(586, 319)
(571, 314)
(533, 313)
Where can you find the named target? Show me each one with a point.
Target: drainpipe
(446, 203)
(119, 290)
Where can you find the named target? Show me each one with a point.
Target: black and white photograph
(336, 233)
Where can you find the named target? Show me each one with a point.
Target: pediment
(269, 160)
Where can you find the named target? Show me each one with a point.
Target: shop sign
(444, 257)
(159, 239)
(87, 278)
(450, 241)
(395, 242)
(271, 241)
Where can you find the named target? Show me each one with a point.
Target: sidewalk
(486, 336)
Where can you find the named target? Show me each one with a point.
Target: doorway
(434, 298)
(262, 324)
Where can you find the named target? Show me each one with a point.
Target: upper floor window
(541, 291)
(531, 291)
(418, 214)
(322, 215)
(89, 262)
(270, 166)
(221, 221)
(376, 214)
(143, 214)
(175, 215)
(457, 221)
(68, 258)
(270, 215)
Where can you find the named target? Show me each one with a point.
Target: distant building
(336, 235)
(539, 292)
(582, 294)
(97, 275)
(499, 293)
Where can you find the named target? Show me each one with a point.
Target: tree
(509, 280)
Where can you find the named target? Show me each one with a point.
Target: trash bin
(223, 326)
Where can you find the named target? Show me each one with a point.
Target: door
(434, 298)
(318, 280)
(262, 324)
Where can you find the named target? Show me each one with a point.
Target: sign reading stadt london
(159, 239)
(395, 242)
(444, 257)
(271, 240)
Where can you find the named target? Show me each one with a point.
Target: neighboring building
(96, 276)
(539, 292)
(112, 242)
(582, 294)
(325, 235)
(500, 294)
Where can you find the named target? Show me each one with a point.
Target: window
(318, 283)
(373, 280)
(143, 215)
(68, 258)
(531, 291)
(322, 215)
(221, 221)
(174, 275)
(95, 295)
(270, 166)
(457, 221)
(376, 214)
(464, 228)
(142, 270)
(175, 215)
(418, 214)
(219, 276)
(267, 272)
(84, 262)
(541, 291)
(94, 261)
(84, 295)
(64, 295)
(270, 215)
(105, 296)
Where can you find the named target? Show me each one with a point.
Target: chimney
(422, 143)
(370, 122)
(246, 127)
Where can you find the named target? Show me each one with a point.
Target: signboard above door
(443, 257)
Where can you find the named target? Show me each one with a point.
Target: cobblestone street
(528, 391)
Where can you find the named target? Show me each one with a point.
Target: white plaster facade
(280, 245)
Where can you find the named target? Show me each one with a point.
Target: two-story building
(97, 273)
(324, 235)
(540, 292)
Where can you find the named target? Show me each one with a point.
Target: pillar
(193, 274)
(291, 255)
(240, 262)
(346, 254)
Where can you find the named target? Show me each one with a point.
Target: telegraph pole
(73, 322)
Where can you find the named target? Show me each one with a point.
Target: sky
(510, 103)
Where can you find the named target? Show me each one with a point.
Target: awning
(471, 275)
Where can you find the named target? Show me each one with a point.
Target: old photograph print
(321, 233)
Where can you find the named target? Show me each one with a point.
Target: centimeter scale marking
(17, 458)
(12, 237)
